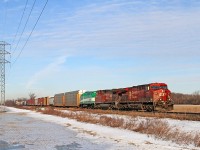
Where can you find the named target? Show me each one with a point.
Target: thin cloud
(147, 41)
(47, 71)
(125, 30)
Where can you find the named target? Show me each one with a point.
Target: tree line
(19, 101)
(180, 98)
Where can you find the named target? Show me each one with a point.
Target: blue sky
(102, 44)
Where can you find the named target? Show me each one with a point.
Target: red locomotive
(150, 97)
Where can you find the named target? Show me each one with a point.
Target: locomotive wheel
(149, 108)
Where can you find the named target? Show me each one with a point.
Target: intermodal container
(51, 101)
(36, 101)
(46, 101)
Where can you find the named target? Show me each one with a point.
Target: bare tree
(196, 97)
(32, 95)
(196, 93)
(180, 98)
(10, 103)
(22, 98)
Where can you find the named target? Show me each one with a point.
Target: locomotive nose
(163, 94)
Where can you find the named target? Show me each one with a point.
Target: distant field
(187, 108)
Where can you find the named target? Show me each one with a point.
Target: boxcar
(41, 101)
(30, 102)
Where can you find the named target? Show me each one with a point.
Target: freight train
(148, 97)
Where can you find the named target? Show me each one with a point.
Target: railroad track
(171, 112)
(153, 112)
(183, 113)
(129, 112)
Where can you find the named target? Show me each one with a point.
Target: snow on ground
(184, 125)
(118, 138)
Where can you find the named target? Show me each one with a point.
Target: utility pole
(3, 61)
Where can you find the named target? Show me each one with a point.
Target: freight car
(51, 101)
(68, 99)
(41, 101)
(59, 99)
(30, 102)
(150, 97)
(72, 99)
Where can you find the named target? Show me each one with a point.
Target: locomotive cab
(161, 96)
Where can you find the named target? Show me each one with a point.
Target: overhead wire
(24, 26)
(21, 32)
(31, 33)
(20, 22)
(5, 20)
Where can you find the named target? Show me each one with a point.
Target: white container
(51, 101)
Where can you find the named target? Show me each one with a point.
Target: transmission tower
(3, 61)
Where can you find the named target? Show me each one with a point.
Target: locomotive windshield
(155, 87)
(159, 87)
(163, 87)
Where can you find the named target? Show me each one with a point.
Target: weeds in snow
(151, 126)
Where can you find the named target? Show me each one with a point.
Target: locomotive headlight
(161, 94)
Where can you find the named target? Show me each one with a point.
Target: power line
(30, 33)
(20, 22)
(24, 26)
(5, 20)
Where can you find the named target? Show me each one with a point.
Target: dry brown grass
(127, 113)
(161, 130)
(153, 127)
(187, 108)
(140, 113)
